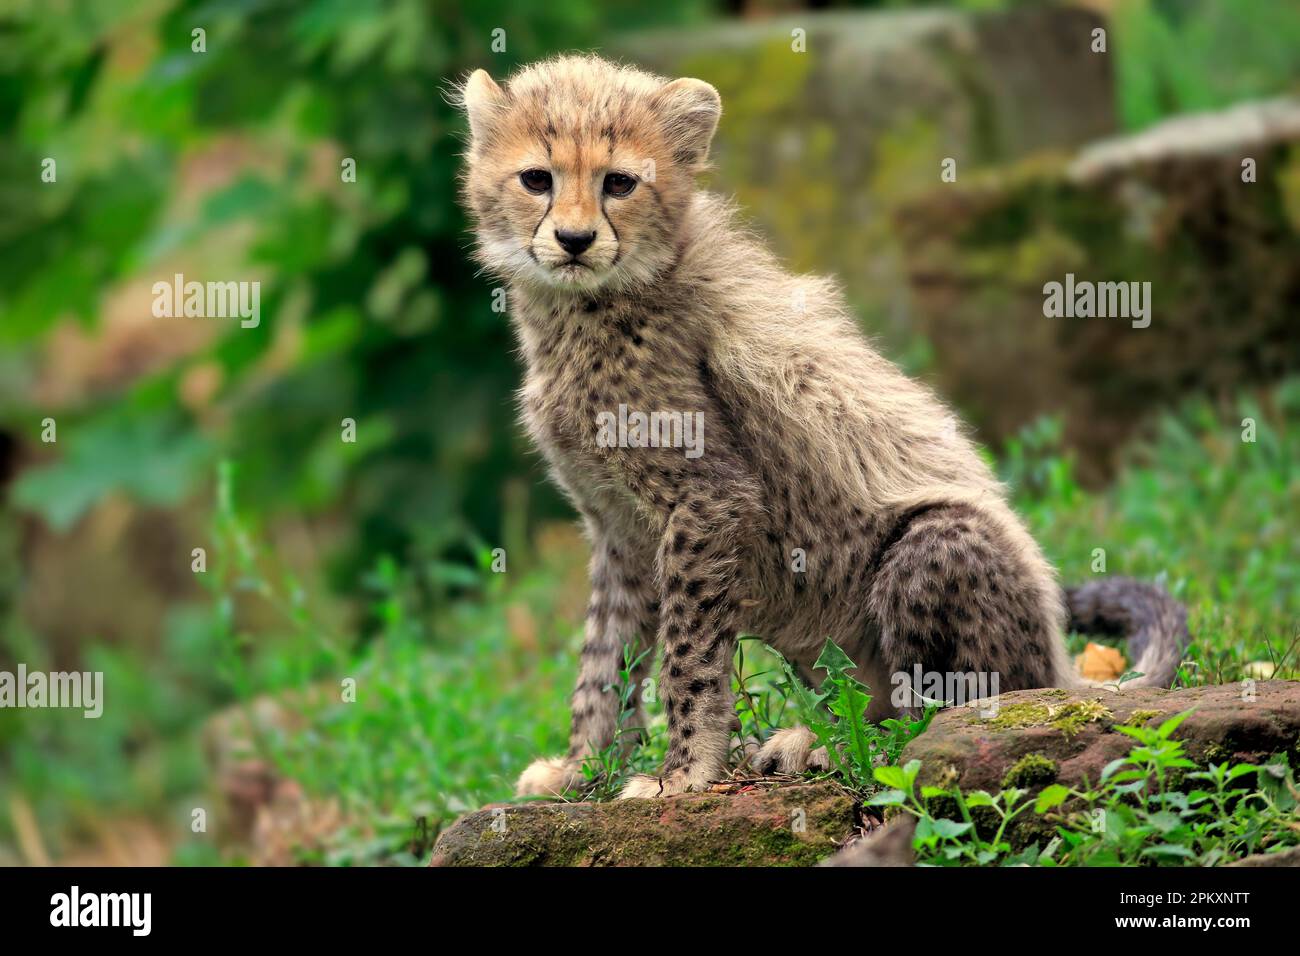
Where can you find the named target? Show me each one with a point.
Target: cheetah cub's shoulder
(742, 459)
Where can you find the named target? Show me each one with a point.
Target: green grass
(1210, 516)
(450, 707)
(1152, 807)
(1198, 509)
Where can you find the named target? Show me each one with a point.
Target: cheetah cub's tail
(1152, 621)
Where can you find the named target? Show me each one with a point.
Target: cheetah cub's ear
(690, 109)
(482, 100)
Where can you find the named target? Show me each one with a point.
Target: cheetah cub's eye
(619, 184)
(535, 180)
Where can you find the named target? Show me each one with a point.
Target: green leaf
(807, 701)
(833, 660)
(1052, 796)
(1112, 767)
(887, 798)
(1011, 796)
(1143, 734)
(925, 834)
(1126, 775)
(892, 777)
(1165, 821)
(150, 458)
(950, 829)
(1169, 849)
(1168, 727)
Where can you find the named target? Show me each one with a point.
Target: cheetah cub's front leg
(699, 588)
(623, 613)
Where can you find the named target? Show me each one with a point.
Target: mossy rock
(790, 825)
(1172, 207)
(820, 147)
(1069, 717)
(1031, 770)
(1030, 739)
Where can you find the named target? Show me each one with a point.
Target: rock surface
(1039, 737)
(794, 825)
(821, 147)
(1289, 857)
(1171, 206)
(1074, 732)
(264, 817)
(1031, 739)
(890, 845)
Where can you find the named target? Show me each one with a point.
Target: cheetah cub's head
(579, 171)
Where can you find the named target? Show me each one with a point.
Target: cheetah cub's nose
(574, 243)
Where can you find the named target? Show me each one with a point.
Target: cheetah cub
(742, 459)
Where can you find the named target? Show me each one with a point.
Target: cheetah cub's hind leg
(955, 597)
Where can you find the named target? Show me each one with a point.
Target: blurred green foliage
(372, 311)
(396, 331)
(1205, 508)
(1178, 56)
(394, 328)
(367, 281)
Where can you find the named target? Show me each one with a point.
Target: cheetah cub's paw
(549, 777)
(791, 751)
(669, 785)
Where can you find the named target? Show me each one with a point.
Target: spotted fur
(834, 496)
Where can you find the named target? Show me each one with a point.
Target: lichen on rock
(1031, 770)
(790, 825)
(1069, 718)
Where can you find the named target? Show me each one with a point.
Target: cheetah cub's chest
(603, 382)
